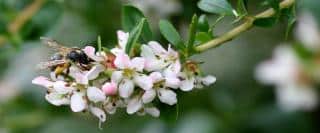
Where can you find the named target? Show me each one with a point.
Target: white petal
(143, 82)
(122, 38)
(126, 88)
(167, 96)
(208, 80)
(78, 102)
(173, 83)
(134, 105)
(147, 52)
(116, 76)
(156, 77)
(154, 64)
(187, 84)
(148, 96)
(98, 113)
(137, 63)
(57, 99)
(95, 94)
(90, 52)
(122, 61)
(94, 72)
(42, 81)
(153, 111)
(61, 87)
(157, 48)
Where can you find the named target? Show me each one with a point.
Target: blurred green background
(237, 103)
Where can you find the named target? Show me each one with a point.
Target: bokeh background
(236, 103)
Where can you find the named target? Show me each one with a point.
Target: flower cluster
(113, 79)
(294, 70)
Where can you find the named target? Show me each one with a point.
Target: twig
(25, 15)
(242, 28)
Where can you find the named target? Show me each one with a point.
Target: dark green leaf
(131, 17)
(216, 6)
(171, 34)
(202, 37)
(134, 36)
(265, 22)
(203, 24)
(274, 4)
(290, 14)
(192, 33)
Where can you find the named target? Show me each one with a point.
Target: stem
(241, 28)
(25, 15)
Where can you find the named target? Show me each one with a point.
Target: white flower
(111, 104)
(283, 71)
(83, 77)
(161, 89)
(135, 105)
(42, 81)
(130, 74)
(307, 31)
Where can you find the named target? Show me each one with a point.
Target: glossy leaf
(202, 37)
(131, 17)
(203, 24)
(134, 35)
(216, 6)
(192, 33)
(171, 34)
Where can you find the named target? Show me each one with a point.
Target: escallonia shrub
(140, 72)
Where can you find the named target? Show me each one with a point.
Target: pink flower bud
(110, 88)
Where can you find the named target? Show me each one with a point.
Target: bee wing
(45, 65)
(54, 44)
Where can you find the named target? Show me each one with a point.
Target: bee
(64, 57)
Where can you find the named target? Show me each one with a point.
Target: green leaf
(203, 24)
(192, 34)
(171, 34)
(242, 7)
(202, 37)
(131, 17)
(216, 6)
(134, 36)
(290, 14)
(265, 22)
(274, 4)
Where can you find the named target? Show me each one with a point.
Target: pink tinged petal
(156, 77)
(78, 102)
(167, 96)
(187, 85)
(147, 52)
(116, 76)
(122, 38)
(122, 61)
(208, 80)
(157, 48)
(90, 52)
(137, 63)
(98, 113)
(134, 105)
(94, 72)
(95, 94)
(153, 111)
(126, 88)
(148, 96)
(42, 81)
(143, 82)
(110, 88)
(173, 83)
(57, 99)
